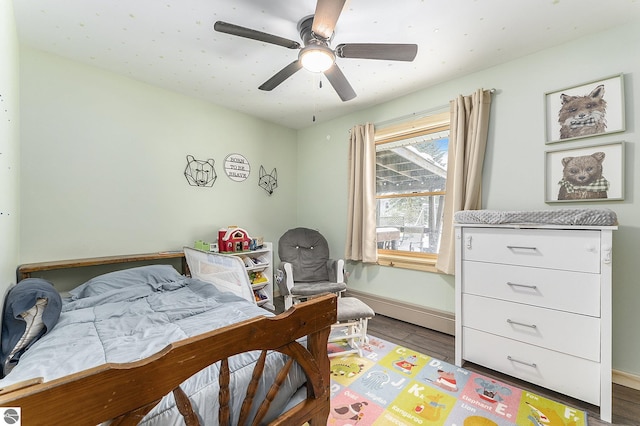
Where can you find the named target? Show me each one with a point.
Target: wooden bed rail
(25, 270)
(127, 392)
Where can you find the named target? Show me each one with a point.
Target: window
(411, 175)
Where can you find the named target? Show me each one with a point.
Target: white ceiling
(172, 44)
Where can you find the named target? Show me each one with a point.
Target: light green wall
(9, 148)
(103, 158)
(514, 168)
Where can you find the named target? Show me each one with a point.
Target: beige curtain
(361, 214)
(467, 143)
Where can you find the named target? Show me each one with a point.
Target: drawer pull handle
(532, 287)
(522, 248)
(522, 324)
(530, 364)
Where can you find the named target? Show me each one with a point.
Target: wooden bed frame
(125, 393)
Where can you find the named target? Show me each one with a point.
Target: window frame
(432, 123)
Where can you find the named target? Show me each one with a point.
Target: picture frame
(582, 165)
(590, 109)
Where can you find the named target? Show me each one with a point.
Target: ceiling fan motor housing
(307, 35)
(316, 55)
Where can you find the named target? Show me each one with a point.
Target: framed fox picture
(590, 109)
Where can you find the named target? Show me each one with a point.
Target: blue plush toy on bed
(31, 310)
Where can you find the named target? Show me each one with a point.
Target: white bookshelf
(259, 266)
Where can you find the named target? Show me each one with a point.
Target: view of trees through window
(410, 185)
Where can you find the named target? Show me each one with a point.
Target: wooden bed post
(317, 345)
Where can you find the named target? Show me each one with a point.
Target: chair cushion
(312, 289)
(350, 308)
(307, 251)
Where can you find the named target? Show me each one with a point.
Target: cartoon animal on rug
(406, 364)
(373, 343)
(432, 410)
(491, 391)
(478, 421)
(347, 369)
(544, 416)
(349, 411)
(376, 379)
(268, 182)
(446, 380)
(583, 115)
(200, 172)
(582, 178)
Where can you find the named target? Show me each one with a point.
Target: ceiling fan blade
(388, 52)
(236, 30)
(281, 76)
(340, 83)
(326, 17)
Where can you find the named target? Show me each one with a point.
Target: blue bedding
(18, 300)
(133, 320)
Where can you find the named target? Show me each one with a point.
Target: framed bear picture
(589, 173)
(590, 109)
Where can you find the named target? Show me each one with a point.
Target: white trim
(623, 378)
(433, 319)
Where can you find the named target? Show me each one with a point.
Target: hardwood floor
(626, 401)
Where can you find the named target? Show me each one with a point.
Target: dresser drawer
(563, 290)
(543, 248)
(573, 334)
(576, 377)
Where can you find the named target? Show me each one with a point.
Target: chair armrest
(335, 267)
(286, 283)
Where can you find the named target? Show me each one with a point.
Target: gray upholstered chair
(306, 266)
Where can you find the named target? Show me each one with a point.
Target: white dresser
(535, 303)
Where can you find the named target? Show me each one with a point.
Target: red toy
(233, 240)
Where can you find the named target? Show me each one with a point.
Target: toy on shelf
(257, 278)
(202, 245)
(233, 240)
(260, 297)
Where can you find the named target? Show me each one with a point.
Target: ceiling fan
(316, 32)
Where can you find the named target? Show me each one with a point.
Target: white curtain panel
(361, 214)
(467, 144)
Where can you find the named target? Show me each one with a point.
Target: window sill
(419, 262)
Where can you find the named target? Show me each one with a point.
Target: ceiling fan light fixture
(317, 58)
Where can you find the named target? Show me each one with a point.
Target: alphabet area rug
(393, 385)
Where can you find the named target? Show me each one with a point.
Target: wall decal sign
(268, 182)
(200, 172)
(237, 167)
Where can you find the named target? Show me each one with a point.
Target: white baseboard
(413, 314)
(625, 379)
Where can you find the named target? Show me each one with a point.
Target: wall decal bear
(200, 172)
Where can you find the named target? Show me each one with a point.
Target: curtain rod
(419, 114)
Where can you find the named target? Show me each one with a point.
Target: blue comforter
(131, 323)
